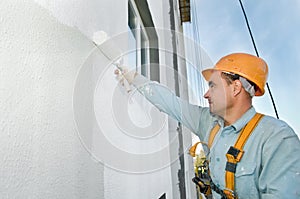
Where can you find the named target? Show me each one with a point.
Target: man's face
(218, 94)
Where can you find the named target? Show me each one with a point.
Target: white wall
(59, 137)
(41, 156)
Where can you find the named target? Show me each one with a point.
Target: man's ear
(237, 87)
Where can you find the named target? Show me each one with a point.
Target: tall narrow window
(138, 42)
(144, 54)
(132, 38)
(142, 35)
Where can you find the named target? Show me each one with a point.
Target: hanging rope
(256, 51)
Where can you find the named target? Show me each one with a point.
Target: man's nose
(206, 95)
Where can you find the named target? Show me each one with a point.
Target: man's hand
(125, 77)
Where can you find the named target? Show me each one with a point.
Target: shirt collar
(240, 123)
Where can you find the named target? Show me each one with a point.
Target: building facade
(68, 129)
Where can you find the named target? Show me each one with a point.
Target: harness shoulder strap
(213, 134)
(235, 154)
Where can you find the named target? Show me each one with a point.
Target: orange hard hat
(248, 66)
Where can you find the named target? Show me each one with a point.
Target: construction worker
(268, 163)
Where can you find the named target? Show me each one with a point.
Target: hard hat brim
(208, 72)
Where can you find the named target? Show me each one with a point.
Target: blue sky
(275, 26)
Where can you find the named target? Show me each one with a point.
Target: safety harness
(234, 155)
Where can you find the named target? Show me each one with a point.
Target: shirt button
(218, 159)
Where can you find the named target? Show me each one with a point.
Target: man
(269, 167)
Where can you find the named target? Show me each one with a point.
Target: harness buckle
(236, 153)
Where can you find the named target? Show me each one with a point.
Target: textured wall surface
(41, 53)
(55, 99)
(41, 155)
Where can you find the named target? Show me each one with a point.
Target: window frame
(142, 52)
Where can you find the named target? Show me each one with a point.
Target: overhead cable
(256, 51)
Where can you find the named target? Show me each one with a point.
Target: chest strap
(235, 153)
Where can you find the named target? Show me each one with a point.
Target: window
(142, 40)
(144, 54)
(138, 42)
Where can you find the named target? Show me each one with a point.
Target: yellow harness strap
(213, 134)
(235, 154)
(192, 150)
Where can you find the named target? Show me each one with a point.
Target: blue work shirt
(270, 167)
